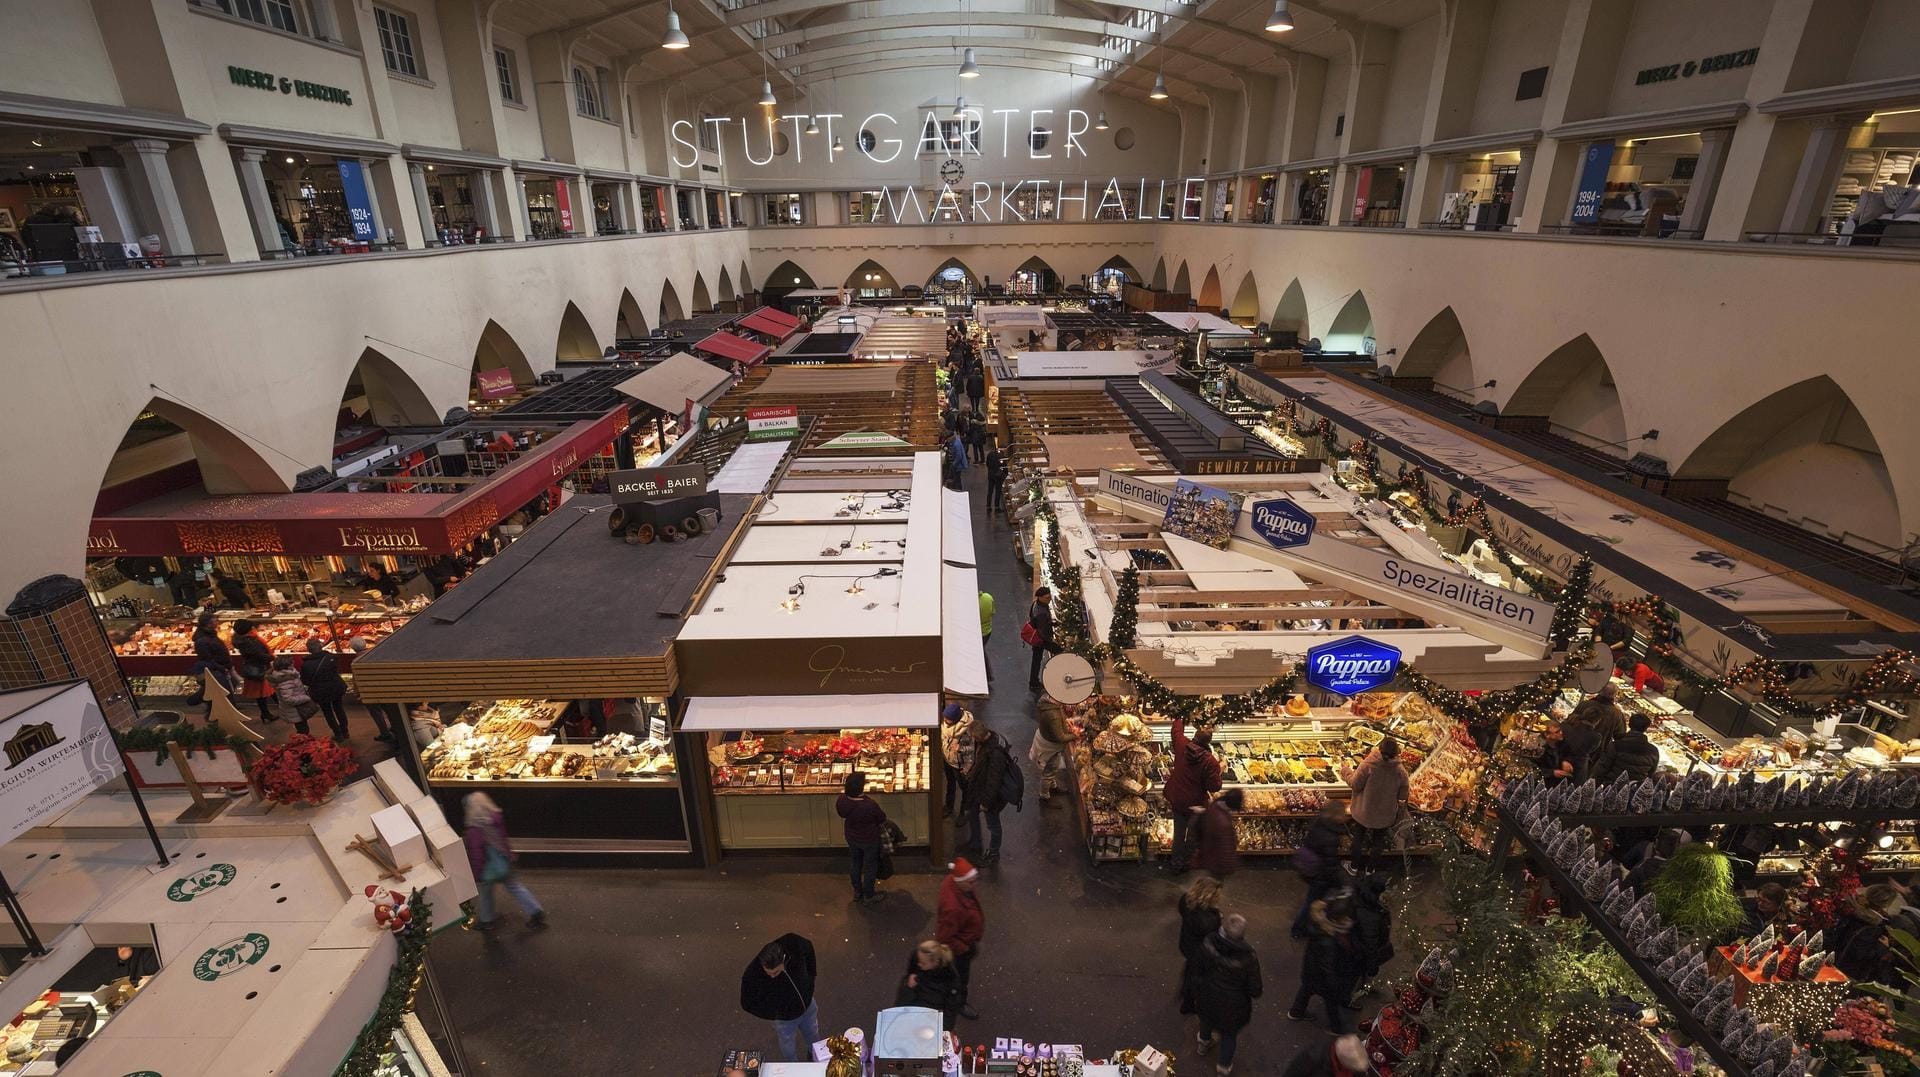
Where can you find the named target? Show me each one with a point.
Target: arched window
(586, 94)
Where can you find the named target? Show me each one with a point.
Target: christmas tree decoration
(1763, 941)
(1662, 944)
(1771, 792)
(1717, 1014)
(1767, 1068)
(1799, 941)
(1722, 797)
(1695, 985)
(1907, 794)
(1811, 965)
(1694, 891)
(1755, 1047)
(1743, 791)
(1770, 967)
(1817, 941)
(1642, 800)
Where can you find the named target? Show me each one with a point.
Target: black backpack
(1013, 784)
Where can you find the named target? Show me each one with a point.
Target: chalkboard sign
(657, 483)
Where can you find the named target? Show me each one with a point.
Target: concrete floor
(639, 970)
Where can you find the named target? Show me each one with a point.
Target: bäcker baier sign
(1350, 666)
(1281, 522)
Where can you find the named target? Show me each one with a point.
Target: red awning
(774, 323)
(738, 349)
(349, 524)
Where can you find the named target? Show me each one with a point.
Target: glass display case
(159, 643)
(513, 741)
(773, 789)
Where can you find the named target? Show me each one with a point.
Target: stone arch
(1290, 314)
(1352, 328)
(1246, 301)
(1183, 281)
(1158, 282)
(631, 322)
(1125, 268)
(1046, 280)
(726, 285)
(787, 275)
(150, 459)
(1439, 353)
(873, 279)
(702, 298)
(1805, 454)
(746, 279)
(973, 279)
(497, 349)
(670, 308)
(393, 397)
(1574, 388)
(1209, 297)
(576, 339)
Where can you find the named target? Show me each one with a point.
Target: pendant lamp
(675, 38)
(1101, 123)
(1281, 20)
(968, 69)
(1159, 86)
(813, 126)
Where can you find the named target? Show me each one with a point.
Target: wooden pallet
(1029, 416)
(911, 412)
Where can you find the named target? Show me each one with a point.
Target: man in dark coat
(1570, 750)
(976, 388)
(1330, 967)
(231, 592)
(210, 655)
(1218, 839)
(1040, 616)
(777, 986)
(1195, 777)
(1600, 713)
(1631, 754)
(321, 674)
(996, 474)
(1226, 980)
(983, 792)
(1372, 928)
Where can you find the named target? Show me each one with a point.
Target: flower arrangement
(304, 770)
(1600, 1061)
(1865, 1026)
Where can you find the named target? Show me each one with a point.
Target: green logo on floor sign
(231, 956)
(188, 887)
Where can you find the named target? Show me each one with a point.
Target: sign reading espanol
(1352, 665)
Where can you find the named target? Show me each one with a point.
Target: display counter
(621, 787)
(777, 790)
(30, 1042)
(160, 643)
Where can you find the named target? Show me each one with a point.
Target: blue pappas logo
(1350, 666)
(1282, 523)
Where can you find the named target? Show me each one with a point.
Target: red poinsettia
(304, 770)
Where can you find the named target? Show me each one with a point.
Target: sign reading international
(1281, 523)
(1350, 666)
(58, 749)
(657, 483)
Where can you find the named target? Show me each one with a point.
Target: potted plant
(304, 770)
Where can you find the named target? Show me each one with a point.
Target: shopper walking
(863, 819)
(1318, 859)
(295, 704)
(1052, 732)
(1195, 777)
(1199, 917)
(956, 462)
(230, 592)
(321, 675)
(1218, 842)
(1037, 633)
(210, 655)
(986, 632)
(491, 854)
(1372, 931)
(256, 661)
(777, 986)
(976, 388)
(1331, 964)
(960, 923)
(996, 475)
(1344, 1056)
(1379, 798)
(956, 754)
(1570, 750)
(932, 981)
(985, 792)
(977, 437)
(1226, 981)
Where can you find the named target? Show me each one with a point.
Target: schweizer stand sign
(1350, 666)
(1281, 523)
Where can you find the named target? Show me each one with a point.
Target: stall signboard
(1593, 182)
(773, 423)
(1280, 522)
(657, 483)
(353, 186)
(563, 203)
(1204, 514)
(58, 749)
(1124, 487)
(494, 384)
(1362, 187)
(802, 667)
(1350, 666)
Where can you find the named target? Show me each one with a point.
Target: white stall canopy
(739, 714)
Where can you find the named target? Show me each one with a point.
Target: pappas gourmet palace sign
(967, 133)
(1350, 666)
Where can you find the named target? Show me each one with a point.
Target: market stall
(1195, 438)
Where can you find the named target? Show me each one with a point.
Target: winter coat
(864, 816)
(1578, 744)
(1332, 963)
(1379, 788)
(1217, 846)
(1631, 754)
(1323, 838)
(210, 652)
(253, 651)
(292, 693)
(960, 921)
(1226, 980)
(982, 788)
(1196, 771)
(957, 743)
(787, 995)
(1053, 722)
(1195, 926)
(491, 834)
(1041, 616)
(976, 386)
(233, 593)
(1372, 927)
(321, 674)
(1602, 716)
(1863, 949)
(935, 988)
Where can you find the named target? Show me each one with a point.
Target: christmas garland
(1123, 630)
(1070, 626)
(191, 738)
(376, 1036)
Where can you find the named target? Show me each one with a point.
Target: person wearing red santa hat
(961, 922)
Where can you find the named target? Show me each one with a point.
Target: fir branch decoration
(1123, 630)
(376, 1037)
(1694, 892)
(191, 738)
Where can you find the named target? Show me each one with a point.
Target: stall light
(1886, 841)
(791, 605)
(39, 141)
(1896, 112)
(289, 160)
(856, 588)
(429, 168)
(1281, 20)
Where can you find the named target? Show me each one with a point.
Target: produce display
(512, 740)
(894, 761)
(160, 647)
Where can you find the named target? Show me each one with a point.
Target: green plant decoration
(1123, 630)
(1694, 892)
(376, 1036)
(191, 738)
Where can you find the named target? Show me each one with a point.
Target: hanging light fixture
(674, 38)
(1281, 20)
(968, 69)
(813, 126)
(1101, 123)
(960, 109)
(766, 93)
(1159, 86)
(838, 146)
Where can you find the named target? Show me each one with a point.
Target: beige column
(1707, 173)
(1819, 172)
(253, 187)
(1521, 181)
(154, 197)
(423, 202)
